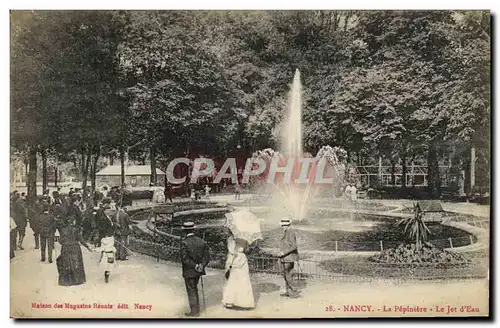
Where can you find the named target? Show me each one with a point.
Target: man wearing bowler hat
(288, 256)
(194, 257)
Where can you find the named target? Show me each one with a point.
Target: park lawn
(362, 266)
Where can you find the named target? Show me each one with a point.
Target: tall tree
(178, 92)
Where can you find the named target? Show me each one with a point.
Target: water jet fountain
(294, 197)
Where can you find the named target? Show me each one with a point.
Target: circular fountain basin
(323, 230)
(362, 233)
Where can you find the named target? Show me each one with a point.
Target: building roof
(129, 170)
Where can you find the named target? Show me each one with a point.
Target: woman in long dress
(348, 192)
(354, 192)
(70, 262)
(238, 289)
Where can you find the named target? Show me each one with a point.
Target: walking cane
(203, 295)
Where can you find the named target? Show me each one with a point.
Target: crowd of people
(95, 220)
(98, 222)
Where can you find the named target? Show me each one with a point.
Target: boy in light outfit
(108, 256)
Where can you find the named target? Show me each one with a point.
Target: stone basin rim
(478, 245)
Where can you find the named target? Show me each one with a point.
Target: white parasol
(244, 225)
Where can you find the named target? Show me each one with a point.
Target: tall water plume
(291, 198)
(291, 138)
(294, 196)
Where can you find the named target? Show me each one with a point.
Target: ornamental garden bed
(364, 267)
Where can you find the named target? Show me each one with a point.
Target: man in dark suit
(88, 222)
(34, 212)
(47, 227)
(18, 211)
(74, 210)
(91, 221)
(46, 196)
(168, 191)
(105, 224)
(13, 233)
(288, 256)
(194, 257)
(58, 201)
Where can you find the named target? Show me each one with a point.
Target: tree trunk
(393, 172)
(111, 159)
(94, 167)
(346, 21)
(152, 158)
(379, 177)
(329, 25)
(433, 172)
(472, 168)
(412, 161)
(56, 178)
(335, 14)
(82, 164)
(32, 175)
(404, 170)
(85, 172)
(44, 170)
(26, 172)
(467, 184)
(122, 163)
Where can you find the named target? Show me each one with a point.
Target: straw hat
(188, 226)
(285, 222)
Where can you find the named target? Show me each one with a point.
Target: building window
(419, 179)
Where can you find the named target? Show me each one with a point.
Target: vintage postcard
(250, 164)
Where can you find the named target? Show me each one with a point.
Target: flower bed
(365, 267)
(427, 254)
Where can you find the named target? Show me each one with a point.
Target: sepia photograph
(257, 164)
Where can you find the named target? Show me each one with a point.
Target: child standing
(108, 256)
(207, 192)
(237, 191)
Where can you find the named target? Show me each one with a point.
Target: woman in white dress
(354, 192)
(348, 192)
(158, 195)
(238, 290)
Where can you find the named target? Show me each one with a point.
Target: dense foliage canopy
(397, 85)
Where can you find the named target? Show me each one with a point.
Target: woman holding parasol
(245, 229)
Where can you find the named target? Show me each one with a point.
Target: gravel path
(146, 282)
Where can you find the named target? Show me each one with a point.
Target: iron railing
(479, 222)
